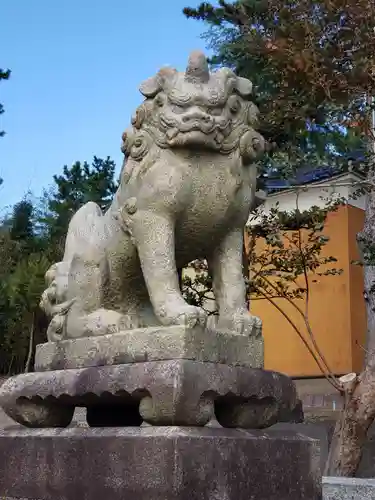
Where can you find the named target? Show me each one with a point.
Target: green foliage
(76, 186)
(311, 63)
(196, 286)
(22, 271)
(31, 238)
(24, 288)
(21, 228)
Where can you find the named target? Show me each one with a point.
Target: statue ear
(153, 85)
(244, 87)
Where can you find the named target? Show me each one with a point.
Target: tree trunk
(351, 428)
(31, 345)
(359, 391)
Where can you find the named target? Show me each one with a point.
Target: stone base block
(151, 344)
(167, 463)
(179, 392)
(347, 488)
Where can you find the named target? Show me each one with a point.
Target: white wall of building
(316, 194)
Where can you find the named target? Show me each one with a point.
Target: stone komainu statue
(187, 186)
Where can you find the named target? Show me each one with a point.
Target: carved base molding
(162, 393)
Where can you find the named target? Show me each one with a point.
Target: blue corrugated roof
(306, 175)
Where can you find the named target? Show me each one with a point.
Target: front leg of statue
(154, 237)
(229, 287)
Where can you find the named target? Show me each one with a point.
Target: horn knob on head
(197, 69)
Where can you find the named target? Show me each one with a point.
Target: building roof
(307, 175)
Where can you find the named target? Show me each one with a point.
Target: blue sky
(76, 66)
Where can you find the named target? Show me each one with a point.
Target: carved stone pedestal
(158, 463)
(151, 344)
(166, 376)
(179, 392)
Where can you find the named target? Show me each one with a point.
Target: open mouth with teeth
(176, 136)
(197, 131)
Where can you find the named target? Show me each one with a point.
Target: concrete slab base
(154, 463)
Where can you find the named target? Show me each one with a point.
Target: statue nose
(196, 115)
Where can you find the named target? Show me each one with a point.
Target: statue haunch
(187, 186)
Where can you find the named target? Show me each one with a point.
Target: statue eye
(159, 100)
(217, 111)
(234, 104)
(178, 109)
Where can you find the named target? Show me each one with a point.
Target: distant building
(337, 309)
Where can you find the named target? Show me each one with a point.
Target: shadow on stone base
(166, 463)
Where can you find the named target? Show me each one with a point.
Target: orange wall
(336, 310)
(357, 303)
